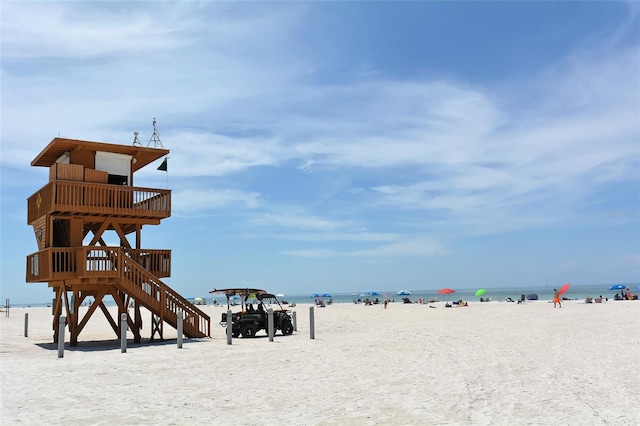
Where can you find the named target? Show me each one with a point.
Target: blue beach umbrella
(316, 295)
(374, 293)
(404, 293)
(618, 287)
(325, 295)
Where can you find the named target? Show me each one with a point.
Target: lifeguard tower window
(117, 180)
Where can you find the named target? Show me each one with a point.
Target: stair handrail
(150, 289)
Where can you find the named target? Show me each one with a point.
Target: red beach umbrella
(446, 291)
(564, 288)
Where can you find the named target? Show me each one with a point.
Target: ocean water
(545, 293)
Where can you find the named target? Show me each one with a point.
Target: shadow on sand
(113, 344)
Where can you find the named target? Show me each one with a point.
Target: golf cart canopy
(238, 291)
(262, 296)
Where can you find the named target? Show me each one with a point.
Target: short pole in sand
(295, 320)
(229, 327)
(312, 331)
(123, 332)
(26, 325)
(180, 325)
(270, 324)
(7, 305)
(61, 327)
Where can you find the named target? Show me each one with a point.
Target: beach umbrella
(532, 296)
(374, 293)
(618, 287)
(198, 299)
(316, 295)
(279, 295)
(404, 293)
(446, 291)
(325, 295)
(564, 288)
(480, 292)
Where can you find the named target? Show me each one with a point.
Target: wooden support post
(74, 330)
(137, 324)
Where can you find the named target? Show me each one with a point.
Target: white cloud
(406, 248)
(231, 93)
(294, 221)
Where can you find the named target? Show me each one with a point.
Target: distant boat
(532, 296)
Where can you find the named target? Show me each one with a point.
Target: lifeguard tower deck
(90, 193)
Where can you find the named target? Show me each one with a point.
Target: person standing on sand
(556, 298)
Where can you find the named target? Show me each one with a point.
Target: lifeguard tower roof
(58, 146)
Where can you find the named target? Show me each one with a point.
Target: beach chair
(523, 299)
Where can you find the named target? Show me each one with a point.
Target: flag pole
(165, 168)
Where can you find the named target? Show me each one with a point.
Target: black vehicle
(251, 319)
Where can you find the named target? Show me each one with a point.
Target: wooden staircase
(100, 266)
(150, 292)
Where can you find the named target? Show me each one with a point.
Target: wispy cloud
(413, 247)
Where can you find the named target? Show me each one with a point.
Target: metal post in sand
(180, 325)
(61, 327)
(123, 332)
(229, 327)
(312, 331)
(270, 327)
(26, 325)
(294, 317)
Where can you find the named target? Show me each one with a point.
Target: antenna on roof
(155, 137)
(136, 141)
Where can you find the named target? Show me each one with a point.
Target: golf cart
(251, 319)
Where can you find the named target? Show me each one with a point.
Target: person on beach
(556, 298)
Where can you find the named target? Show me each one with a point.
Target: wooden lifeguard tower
(90, 193)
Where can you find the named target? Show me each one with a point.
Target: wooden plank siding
(98, 199)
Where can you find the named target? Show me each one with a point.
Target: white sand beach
(491, 363)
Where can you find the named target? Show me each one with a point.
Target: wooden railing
(99, 199)
(59, 263)
(113, 262)
(157, 262)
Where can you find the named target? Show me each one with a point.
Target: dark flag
(163, 166)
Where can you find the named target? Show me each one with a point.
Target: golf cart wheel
(287, 328)
(248, 330)
(235, 333)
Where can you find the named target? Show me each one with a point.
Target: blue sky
(344, 146)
